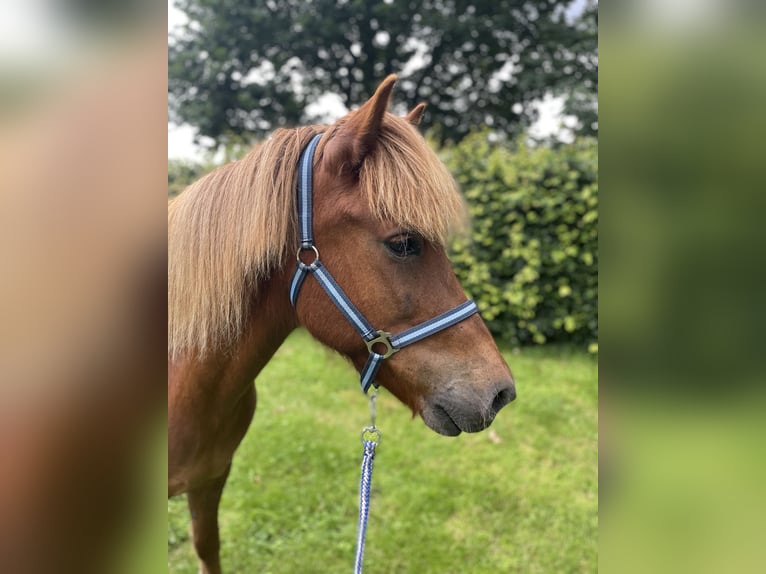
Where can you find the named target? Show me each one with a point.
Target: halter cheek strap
(371, 336)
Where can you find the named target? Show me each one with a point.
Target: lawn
(519, 497)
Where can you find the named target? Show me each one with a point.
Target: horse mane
(231, 229)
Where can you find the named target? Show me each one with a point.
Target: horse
(383, 208)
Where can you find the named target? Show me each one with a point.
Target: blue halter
(371, 336)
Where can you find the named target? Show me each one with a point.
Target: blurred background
(83, 114)
(681, 279)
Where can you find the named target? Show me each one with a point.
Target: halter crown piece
(371, 336)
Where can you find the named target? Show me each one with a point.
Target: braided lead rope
(364, 501)
(370, 439)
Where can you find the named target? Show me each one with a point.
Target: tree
(242, 68)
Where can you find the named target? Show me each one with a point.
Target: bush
(531, 260)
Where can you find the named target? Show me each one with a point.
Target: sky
(175, 16)
(180, 138)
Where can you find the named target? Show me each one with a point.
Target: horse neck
(229, 372)
(271, 320)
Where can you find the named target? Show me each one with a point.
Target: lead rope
(370, 439)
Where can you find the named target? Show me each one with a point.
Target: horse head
(383, 205)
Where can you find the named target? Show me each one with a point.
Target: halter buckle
(383, 338)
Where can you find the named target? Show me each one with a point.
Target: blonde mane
(231, 229)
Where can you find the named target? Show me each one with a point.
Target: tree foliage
(531, 261)
(183, 173)
(245, 67)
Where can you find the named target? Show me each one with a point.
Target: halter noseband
(371, 336)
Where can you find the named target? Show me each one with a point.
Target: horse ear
(416, 114)
(359, 133)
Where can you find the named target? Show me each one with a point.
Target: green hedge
(531, 259)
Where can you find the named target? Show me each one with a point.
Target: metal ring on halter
(371, 431)
(384, 338)
(307, 266)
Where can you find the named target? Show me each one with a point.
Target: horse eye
(404, 246)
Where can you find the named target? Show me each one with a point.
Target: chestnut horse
(383, 206)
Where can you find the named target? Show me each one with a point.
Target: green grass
(523, 502)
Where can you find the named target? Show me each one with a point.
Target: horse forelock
(404, 182)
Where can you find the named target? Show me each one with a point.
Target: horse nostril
(503, 397)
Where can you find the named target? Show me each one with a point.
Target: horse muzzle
(452, 412)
